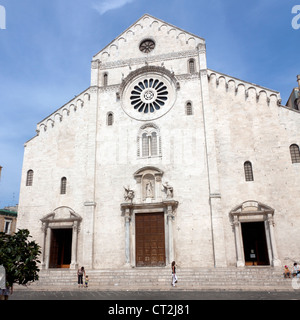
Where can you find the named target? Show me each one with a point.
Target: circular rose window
(149, 95)
(147, 46)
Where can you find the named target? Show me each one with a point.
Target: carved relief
(148, 187)
(168, 190)
(129, 194)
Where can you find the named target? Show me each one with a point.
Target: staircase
(132, 279)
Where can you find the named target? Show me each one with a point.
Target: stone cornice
(138, 61)
(130, 207)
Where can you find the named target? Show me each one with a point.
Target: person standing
(86, 283)
(174, 276)
(80, 274)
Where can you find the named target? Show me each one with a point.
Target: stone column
(126, 213)
(275, 260)
(127, 236)
(239, 252)
(74, 263)
(44, 230)
(47, 247)
(170, 218)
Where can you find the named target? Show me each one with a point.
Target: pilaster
(217, 229)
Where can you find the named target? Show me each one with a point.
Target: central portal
(61, 247)
(150, 240)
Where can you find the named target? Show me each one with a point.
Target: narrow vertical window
(145, 145)
(105, 79)
(154, 144)
(189, 109)
(110, 119)
(295, 153)
(29, 178)
(192, 66)
(63, 185)
(248, 171)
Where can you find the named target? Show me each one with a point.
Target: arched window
(29, 178)
(192, 68)
(189, 109)
(105, 79)
(248, 171)
(295, 153)
(110, 119)
(149, 141)
(63, 185)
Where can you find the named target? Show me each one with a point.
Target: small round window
(147, 46)
(149, 95)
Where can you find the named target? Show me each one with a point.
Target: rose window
(149, 96)
(147, 46)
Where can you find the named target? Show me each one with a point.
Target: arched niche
(148, 181)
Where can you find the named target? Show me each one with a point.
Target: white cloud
(107, 5)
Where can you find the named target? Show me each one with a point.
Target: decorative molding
(144, 70)
(152, 22)
(258, 91)
(58, 115)
(138, 61)
(127, 209)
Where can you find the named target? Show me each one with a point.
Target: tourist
(287, 273)
(86, 283)
(174, 276)
(296, 270)
(80, 274)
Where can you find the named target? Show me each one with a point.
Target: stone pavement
(172, 295)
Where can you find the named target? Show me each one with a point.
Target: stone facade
(147, 165)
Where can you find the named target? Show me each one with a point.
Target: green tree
(19, 256)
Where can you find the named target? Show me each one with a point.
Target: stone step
(160, 278)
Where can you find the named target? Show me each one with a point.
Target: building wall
(252, 126)
(202, 157)
(5, 215)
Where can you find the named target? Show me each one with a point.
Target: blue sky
(47, 47)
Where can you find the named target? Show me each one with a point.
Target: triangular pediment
(167, 38)
(62, 214)
(251, 206)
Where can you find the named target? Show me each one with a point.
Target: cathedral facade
(164, 159)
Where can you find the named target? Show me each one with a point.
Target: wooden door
(150, 240)
(61, 246)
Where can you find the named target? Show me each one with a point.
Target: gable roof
(146, 15)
